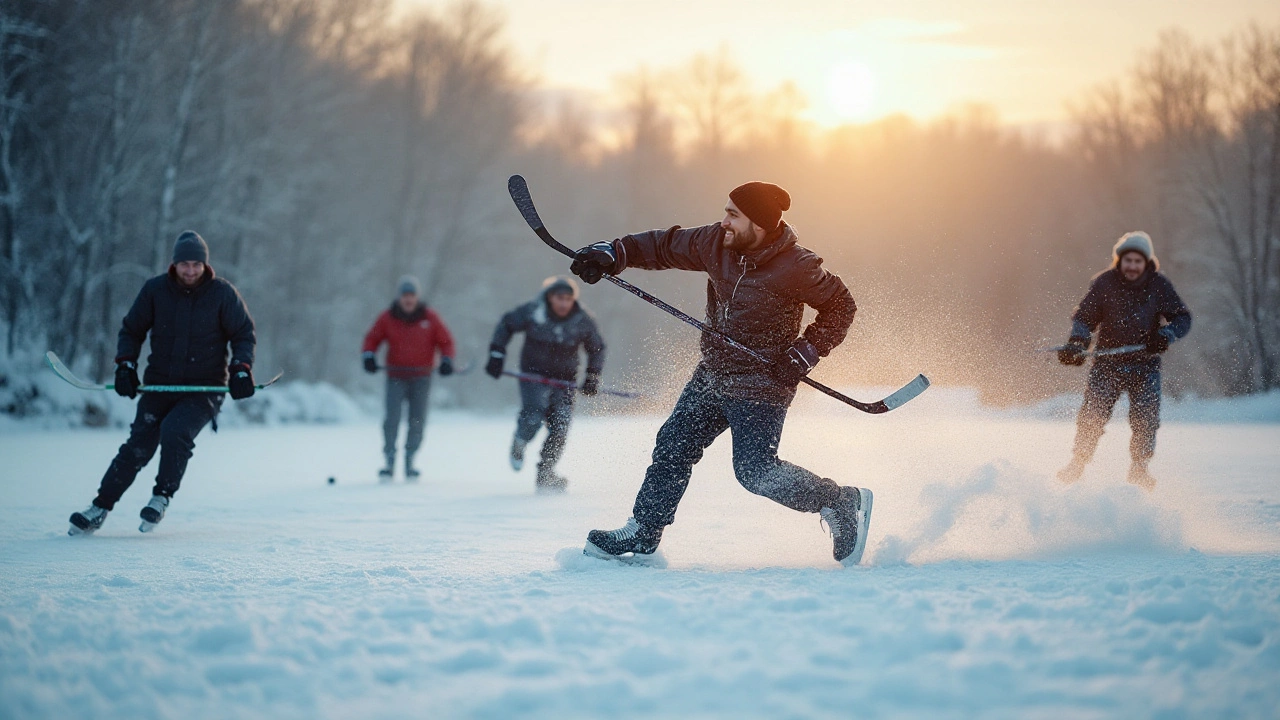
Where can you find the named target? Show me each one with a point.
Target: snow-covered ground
(990, 590)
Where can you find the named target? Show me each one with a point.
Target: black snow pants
(543, 404)
(700, 416)
(399, 391)
(1106, 383)
(169, 421)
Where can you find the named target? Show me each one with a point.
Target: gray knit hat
(559, 283)
(1136, 241)
(190, 247)
(410, 284)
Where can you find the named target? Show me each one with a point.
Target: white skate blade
(864, 525)
(656, 560)
(74, 531)
(147, 526)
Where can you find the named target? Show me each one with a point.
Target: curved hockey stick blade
(61, 370)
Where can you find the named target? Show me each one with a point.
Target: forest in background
(324, 148)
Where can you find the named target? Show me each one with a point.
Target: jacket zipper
(742, 262)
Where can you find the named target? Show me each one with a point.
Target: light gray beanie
(409, 284)
(1136, 241)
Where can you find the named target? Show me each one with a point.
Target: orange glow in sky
(856, 61)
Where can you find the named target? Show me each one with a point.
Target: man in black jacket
(192, 316)
(1130, 303)
(759, 282)
(555, 325)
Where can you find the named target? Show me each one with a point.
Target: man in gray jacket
(555, 326)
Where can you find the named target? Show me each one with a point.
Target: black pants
(700, 416)
(543, 404)
(1106, 382)
(399, 391)
(169, 421)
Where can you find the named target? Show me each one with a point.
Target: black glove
(127, 379)
(1073, 353)
(496, 356)
(370, 364)
(446, 366)
(795, 363)
(593, 261)
(241, 382)
(591, 384)
(1158, 341)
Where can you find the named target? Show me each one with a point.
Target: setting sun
(851, 90)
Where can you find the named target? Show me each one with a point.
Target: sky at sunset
(857, 61)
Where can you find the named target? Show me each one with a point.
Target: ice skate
(87, 521)
(517, 453)
(632, 544)
(388, 472)
(1073, 470)
(411, 473)
(1138, 475)
(153, 513)
(849, 522)
(549, 482)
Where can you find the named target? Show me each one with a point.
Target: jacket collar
(760, 256)
(417, 314)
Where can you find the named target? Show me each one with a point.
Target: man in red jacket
(413, 333)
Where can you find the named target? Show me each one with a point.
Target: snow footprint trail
(1002, 512)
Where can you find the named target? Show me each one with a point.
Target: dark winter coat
(551, 343)
(412, 340)
(1127, 313)
(757, 299)
(190, 330)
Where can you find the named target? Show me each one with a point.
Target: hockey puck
(332, 481)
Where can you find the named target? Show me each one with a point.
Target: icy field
(991, 591)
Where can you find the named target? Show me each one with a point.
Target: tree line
(324, 148)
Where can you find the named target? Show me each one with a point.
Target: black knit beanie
(190, 247)
(762, 203)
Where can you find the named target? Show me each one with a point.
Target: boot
(153, 513)
(410, 472)
(1138, 475)
(849, 521)
(632, 539)
(517, 453)
(550, 482)
(388, 472)
(1074, 469)
(84, 523)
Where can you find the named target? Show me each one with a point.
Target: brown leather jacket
(757, 299)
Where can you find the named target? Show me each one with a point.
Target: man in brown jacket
(759, 281)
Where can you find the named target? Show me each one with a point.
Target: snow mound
(1001, 512)
(291, 404)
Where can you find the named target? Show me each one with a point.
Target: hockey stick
(64, 372)
(519, 191)
(567, 385)
(1122, 350)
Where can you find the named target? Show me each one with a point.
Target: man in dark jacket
(192, 316)
(414, 334)
(1130, 303)
(759, 281)
(555, 326)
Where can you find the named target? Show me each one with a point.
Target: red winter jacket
(412, 340)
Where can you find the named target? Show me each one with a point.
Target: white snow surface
(989, 589)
